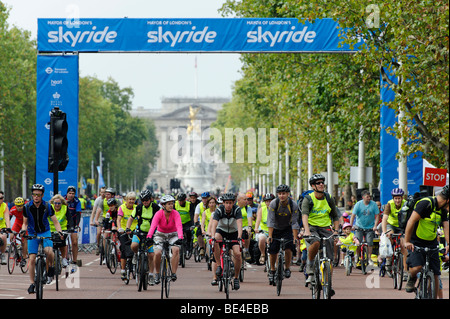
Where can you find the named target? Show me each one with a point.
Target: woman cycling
(168, 226)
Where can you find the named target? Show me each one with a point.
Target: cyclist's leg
(312, 245)
(217, 269)
(370, 235)
(415, 261)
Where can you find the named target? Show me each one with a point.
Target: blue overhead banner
(189, 35)
(56, 85)
(389, 148)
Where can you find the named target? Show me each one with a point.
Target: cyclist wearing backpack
(390, 221)
(421, 230)
(282, 223)
(319, 212)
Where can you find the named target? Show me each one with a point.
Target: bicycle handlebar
(320, 238)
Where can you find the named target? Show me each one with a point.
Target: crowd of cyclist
(254, 227)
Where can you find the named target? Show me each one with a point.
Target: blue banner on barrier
(189, 35)
(56, 85)
(389, 149)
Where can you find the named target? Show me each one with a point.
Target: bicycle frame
(279, 270)
(225, 262)
(166, 268)
(40, 266)
(397, 262)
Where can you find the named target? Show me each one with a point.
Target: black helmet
(181, 196)
(268, 196)
(315, 178)
(71, 189)
(111, 201)
(228, 196)
(145, 195)
(38, 187)
(444, 192)
(283, 188)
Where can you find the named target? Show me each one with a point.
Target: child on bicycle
(349, 240)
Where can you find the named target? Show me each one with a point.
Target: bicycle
(166, 268)
(209, 253)
(322, 277)
(364, 251)
(425, 288)
(40, 276)
(279, 271)
(57, 261)
(226, 277)
(397, 262)
(142, 263)
(130, 267)
(15, 254)
(348, 258)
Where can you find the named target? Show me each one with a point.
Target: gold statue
(192, 116)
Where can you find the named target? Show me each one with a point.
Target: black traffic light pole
(57, 152)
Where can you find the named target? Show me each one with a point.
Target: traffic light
(58, 158)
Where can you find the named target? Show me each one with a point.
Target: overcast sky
(152, 76)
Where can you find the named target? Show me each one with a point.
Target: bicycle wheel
(168, 278)
(394, 264)
(183, 255)
(400, 271)
(40, 278)
(226, 277)
(348, 265)
(326, 280)
(101, 249)
(113, 258)
(57, 266)
(24, 268)
(12, 257)
(279, 274)
(428, 286)
(142, 272)
(315, 283)
(364, 259)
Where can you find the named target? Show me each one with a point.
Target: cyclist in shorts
(227, 224)
(166, 224)
(74, 207)
(390, 223)
(262, 231)
(17, 211)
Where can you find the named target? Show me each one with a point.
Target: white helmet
(166, 199)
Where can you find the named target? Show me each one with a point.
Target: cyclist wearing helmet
(390, 221)
(319, 214)
(74, 207)
(144, 213)
(282, 223)
(4, 223)
(421, 230)
(198, 213)
(166, 224)
(17, 212)
(35, 221)
(262, 231)
(186, 210)
(227, 224)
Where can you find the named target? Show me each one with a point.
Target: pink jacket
(159, 222)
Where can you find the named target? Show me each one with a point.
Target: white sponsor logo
(287, 36)
(82, 36)
(161, 36)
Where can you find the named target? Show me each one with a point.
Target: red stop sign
(435, 177)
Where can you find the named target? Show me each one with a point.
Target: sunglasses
(36, 195)
(319, 183)
(57, 203)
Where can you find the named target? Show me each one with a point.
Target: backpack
(408, 207)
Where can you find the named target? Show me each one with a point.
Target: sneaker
(32, 289)
(151, 280)
(247, 255)
(123, 275)
(215, 282)
(202, 251)
(3, 259)
(50, 275)
(287, 273)
(173, 277)
(236, 285)
(157, 279)
(23, 262)
(219, 271)
(64, 262)
(271, 276)
(410, 284)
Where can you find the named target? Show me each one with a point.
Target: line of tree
(128, 144)
(303, 94)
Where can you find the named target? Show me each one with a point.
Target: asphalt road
(93, 281)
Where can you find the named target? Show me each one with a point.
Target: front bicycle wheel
(279, 274)
(428, 286)
(40, 278)
(113, 259)
(364, 259)
(58, 268)
(326, 280)
(12, 257)
(400, 270)
(394, 264)
(142, 272)
(316, 286)
(348, 265)
(227, 277)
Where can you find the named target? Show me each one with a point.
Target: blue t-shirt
(365, 214)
